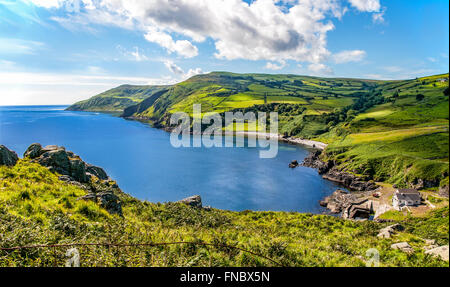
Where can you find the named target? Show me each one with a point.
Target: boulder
(110, 202)
(107, 200)
(387, 232)
(66, 163)
(294, 164)
(194, 201)
(7, 157)
(443, 191)
(97, 171)
(441, 252)
(403, 246)
(33, 151)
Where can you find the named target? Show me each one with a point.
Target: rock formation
(441, 252)
(329, 171)
(294, 164)
(403, 246)
(66, 163)
(194, 201)
(101, 189)
(7, 157)
(387, 232)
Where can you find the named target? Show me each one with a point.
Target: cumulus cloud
(181, 47)
(366, 5)
(320, 69)
(271, 30)
(349, 56)
(275, 66)
(171, 66)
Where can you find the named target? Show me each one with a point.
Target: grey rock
(97, 171)
(107, 200)
(194, 201)
(403, 246)
(444, 191)
(294, 164)
(7, 157)
(329, 171)
(110, 202)
(387, 232)
(441, 252)
(66, 163)
(33, 151)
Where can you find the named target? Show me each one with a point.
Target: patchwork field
(394, 131)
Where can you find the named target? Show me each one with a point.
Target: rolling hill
(387, 131)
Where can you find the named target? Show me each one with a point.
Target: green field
(36, 208)
(394, 131)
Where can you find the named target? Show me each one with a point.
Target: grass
(380, 129)
(38, 209)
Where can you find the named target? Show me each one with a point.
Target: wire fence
(75, 253)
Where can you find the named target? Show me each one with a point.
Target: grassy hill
(393, 131)
(37, 208)
(116, 100)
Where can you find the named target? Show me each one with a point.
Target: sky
(62, 51)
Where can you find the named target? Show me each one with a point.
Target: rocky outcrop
(423, 183)
(329, 171)
(194, 201)
(73, 170)
(66, 163)
(293, 164)
(107, 200)
(443, 191)
(338, 201)
(387, 232)
(7, 157)
(441, 252)
(403, 246)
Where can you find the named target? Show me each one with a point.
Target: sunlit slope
(404, 140)
(36, 208)
(117, 99)
(394, 131)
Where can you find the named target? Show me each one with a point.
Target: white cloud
(371, 6)
(47, 3)
(181, 47)
(320, 69)
(431, 59)
(378, 17)
(349, 56)
(366, 5)
(262, 30)
(275, 66)
(171, 66)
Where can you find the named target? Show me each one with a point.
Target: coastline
(291, 140)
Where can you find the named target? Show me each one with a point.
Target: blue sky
(62, 51)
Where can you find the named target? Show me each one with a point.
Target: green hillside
(36, 208)
(393, 131)
(115, 100)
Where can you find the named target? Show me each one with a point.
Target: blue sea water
(144, 163)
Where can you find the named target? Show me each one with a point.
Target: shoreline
(269, 136)
(291, 140)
